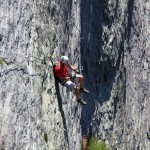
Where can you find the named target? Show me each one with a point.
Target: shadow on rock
(61, 111)
(100, 68)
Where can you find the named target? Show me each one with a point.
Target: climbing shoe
(83, 90)
(81, 101)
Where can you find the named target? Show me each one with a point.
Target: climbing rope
(12, 68)
(49, 57)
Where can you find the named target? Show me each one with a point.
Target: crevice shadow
(91, 32)
(61, 111)
(130, 13)
(100, 74)
(116, 9)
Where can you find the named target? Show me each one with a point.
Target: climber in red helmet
(73, 80)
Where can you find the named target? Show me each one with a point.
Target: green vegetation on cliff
(95, 144)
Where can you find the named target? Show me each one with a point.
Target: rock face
(107, 40)
(115, 53)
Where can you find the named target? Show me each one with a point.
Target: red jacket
(61, 71)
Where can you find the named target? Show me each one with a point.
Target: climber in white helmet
(73, 80)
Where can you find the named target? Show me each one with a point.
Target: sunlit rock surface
(107, 40)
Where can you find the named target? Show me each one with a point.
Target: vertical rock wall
(115, 57)
(137, 60)
(110, 39)
(35, 112)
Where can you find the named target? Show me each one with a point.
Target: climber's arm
(72, 68)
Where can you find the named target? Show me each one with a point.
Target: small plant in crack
(45, 137)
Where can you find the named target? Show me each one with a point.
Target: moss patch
(1, 61)
(45, 137)
(94, 144)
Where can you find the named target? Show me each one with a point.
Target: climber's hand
(76, 71)
(68, 78)
(72, 76)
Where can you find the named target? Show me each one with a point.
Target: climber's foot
(83, 90)
(81, 101)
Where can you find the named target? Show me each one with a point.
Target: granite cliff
(107, 40)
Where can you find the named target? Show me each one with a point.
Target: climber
(68, 76)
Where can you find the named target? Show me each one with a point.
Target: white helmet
(64, 59)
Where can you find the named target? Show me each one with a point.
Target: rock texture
(107, 40)
(115, 52)
(33, 113)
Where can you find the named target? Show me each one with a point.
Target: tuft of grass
(45, 137)
(94, 144)
(1, 61)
